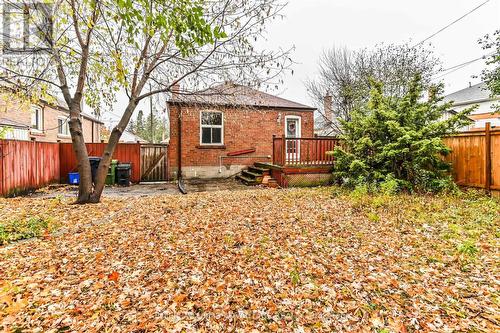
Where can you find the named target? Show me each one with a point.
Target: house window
(37, 118)
(62, 126)
(212, 128)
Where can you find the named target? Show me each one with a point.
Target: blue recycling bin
(74, 178)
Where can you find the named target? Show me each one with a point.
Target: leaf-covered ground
(259, 260)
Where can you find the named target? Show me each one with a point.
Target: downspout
(180, 183)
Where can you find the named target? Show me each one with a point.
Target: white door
(292, 133)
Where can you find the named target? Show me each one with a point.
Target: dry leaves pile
(263, 260)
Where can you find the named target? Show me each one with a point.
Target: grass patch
(468, 248)
(456, 223)
(18, 229)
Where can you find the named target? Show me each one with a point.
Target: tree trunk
(82, 157)
(114, 138)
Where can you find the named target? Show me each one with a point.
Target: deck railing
(303, 151)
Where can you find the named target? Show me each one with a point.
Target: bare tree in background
(345, 76)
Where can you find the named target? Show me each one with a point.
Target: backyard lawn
(263, 260)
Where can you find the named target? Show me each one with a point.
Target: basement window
(211, 128)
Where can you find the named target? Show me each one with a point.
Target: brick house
(218, 132)
(46, 122)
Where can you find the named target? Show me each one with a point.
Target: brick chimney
(176, 88)
(328, 106)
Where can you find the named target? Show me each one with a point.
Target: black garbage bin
(123, 173)
(94, 164)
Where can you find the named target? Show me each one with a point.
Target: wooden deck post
(283, 150)
(274, 150)
(487, 138)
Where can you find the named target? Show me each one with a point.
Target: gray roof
(230, 94)
(8, 122)
(128, 136)
(61, 104)
(472, 94)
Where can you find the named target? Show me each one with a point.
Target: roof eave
(15, 126)
(482, 100)
(296, 108)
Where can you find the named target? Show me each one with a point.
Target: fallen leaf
(180, 298)
(114, 276)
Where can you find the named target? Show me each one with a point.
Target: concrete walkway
(144, 189)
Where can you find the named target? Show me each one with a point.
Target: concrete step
(259, 170)
(252, 175)
(262, 165)
(246, 180)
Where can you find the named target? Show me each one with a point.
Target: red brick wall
(243, 129)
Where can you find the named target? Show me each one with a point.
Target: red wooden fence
(303, 151)
(26, 165)
(124, 152)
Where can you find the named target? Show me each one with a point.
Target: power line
(465, 63)
(452, 23)
(483, 57)
(452, 71)
(455, 68)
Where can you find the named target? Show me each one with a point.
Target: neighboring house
(13, 130)
(129, 137)
(475, 95)
(46, 122)
(233, 119)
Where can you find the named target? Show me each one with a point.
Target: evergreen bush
(395, 144)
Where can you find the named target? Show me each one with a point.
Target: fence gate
(153, 163)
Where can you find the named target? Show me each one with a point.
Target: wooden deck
(303, 151)
(302, 161)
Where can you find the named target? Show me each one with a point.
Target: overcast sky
(312, 26)
(315, 25)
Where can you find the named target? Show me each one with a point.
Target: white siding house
(476, 95)
(12, 130)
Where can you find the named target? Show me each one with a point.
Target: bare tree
(145, 48)
(345, 75)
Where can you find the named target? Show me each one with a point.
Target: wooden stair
(257, 174)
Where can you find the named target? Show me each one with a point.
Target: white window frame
(211, 126)
(65, 125)
(38, 118)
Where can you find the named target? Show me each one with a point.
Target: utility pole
(151, 115)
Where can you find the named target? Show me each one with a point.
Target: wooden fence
(154, 163)
(124, 152)
(26, 165)
(475, 158)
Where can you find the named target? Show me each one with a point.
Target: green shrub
(468, 248)
(14, 230)
(394, 144)
(373, 217)
(390, 186)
